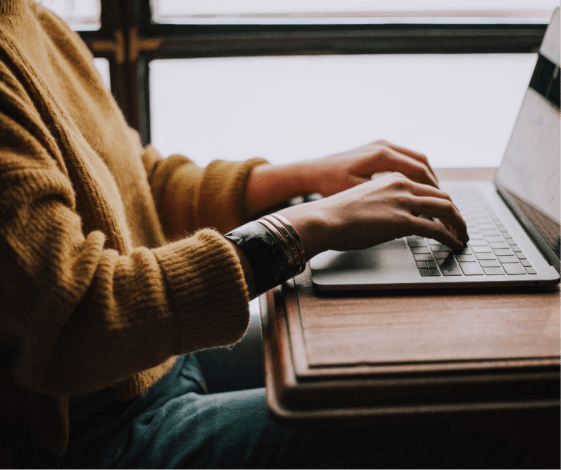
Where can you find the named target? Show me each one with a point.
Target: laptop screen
(528, 178)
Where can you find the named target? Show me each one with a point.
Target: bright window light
(81, 15)
(352, 11)
(457, 109)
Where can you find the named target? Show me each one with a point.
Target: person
(117, 265)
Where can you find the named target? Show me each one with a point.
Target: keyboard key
(429, 272)
(431, 264)
(480, 242)
(481, 249)
(520, 255)
(439, 247)
(530, 270)
(485, 256)
(412, 242)
(525, 263)
(503, 252)
(494, 239)
(449, 267)
(514, 269)
(421, 264)
(466, 258)
(516, 248)
(507, 259)
(471, 269)
(499, 245)
(423, 257)
(510, 241)
(420, 250)
(486, 226)
(441, 254)
(464, 251)
(489, 263)
(494, 271)
(475, 236)
(505, 234)
(491, 233)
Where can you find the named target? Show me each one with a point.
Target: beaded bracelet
(273, 249)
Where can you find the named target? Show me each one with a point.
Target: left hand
(341, 171)
(270, 185)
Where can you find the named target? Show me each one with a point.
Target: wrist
(270, 251)
(311, 224)
(269, 186)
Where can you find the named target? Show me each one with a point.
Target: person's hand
(341, 171)
(270, 185)
(376, 212)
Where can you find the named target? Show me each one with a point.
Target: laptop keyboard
(491, 250)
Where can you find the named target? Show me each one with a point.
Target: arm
(268, 185)
(359, 212)
(80, 309)
(189, 197)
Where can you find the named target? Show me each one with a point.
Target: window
(302, 78)
(351, 11)
(83, 15)
(457, 109)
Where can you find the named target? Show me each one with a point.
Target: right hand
(376, 212)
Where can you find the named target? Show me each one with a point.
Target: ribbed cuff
(207, 289)
(221, 202)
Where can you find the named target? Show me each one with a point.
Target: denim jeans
(177, 423)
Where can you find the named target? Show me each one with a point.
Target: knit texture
(100, 286)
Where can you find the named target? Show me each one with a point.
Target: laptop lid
(529, 177)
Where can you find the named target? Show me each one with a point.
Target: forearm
(269, 186)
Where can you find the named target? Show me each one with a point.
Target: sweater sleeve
(77, 316)
(189, 198)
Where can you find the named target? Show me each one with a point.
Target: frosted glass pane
(102, 66)
(457, 109)
(81, 15)
(352, 11)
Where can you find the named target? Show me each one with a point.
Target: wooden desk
(360, 355)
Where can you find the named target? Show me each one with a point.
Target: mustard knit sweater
(104, 277)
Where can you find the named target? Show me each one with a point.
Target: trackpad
(388, 256)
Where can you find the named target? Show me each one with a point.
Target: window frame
(130, 40)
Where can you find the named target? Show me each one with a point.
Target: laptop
(513, 222)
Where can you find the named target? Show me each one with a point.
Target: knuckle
(403, 200)
(400, 183)
(383, 155)
(423, 158)
(448, 205)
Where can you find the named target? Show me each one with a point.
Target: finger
(445, 210)
(413, 169)
(411, 153)
(423, 190)
(436, 230)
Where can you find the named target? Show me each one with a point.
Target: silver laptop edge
(526, 202)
